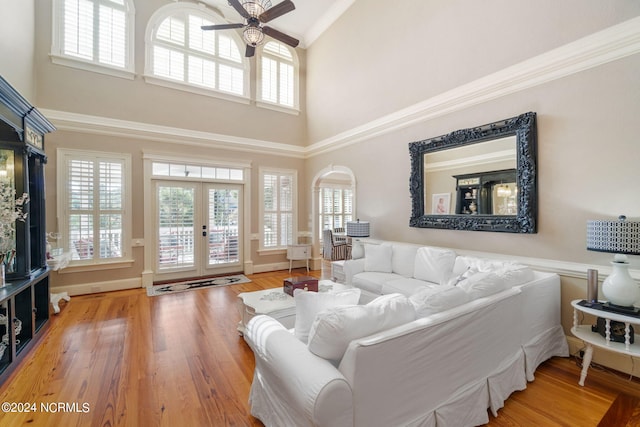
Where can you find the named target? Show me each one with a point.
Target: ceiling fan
(255, 13)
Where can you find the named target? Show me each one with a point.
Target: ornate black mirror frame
(524, 128)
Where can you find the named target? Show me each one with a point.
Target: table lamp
(622, 238)
(357, 229)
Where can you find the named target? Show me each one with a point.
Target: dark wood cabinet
(24, 289)
(488, 193)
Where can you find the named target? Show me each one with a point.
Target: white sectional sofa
(388, 267)
(429, 355)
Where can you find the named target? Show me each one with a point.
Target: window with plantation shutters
(183, 56)
(278, 75)
(336, 208)
(94, 34)
(278, 208)
(93, 214)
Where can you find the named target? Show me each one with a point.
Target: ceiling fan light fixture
(256, 8)
(253, 36)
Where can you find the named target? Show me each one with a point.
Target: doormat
(169, 288)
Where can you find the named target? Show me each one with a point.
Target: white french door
(198, 229)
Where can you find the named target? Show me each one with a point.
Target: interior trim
(83, 123)
(611, 44)
(332, 15)
(604, 46)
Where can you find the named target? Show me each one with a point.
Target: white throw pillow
(434, 264)
(515, 274)
(403, 258)
(335, 328)
(482, 284)
(378, 258)
(457, 278)
(437, 298)
(309, 304)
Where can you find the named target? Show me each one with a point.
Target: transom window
(182, 170)
(278, 75)
(94, 34)
(179, 50)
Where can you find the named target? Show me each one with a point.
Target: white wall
(17, 35)
(218, 125)
(587, 131)
(417, 53)
(66, 89)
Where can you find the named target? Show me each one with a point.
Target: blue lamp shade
(358, 228)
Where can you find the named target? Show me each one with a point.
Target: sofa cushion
(482, 284)
(435, 299)
(434, 264)
(515, 274)
(403, 259)
(335, 328)
(377, 258)
(405, 285)
(372, 281)
(309, 304)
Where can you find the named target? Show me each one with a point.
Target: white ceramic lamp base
(620, 288)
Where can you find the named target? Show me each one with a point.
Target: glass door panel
(199, 229)
(223, 210)
(176, 221)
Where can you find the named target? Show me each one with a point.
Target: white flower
(11, 210)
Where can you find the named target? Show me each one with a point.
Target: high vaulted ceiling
(310, 18)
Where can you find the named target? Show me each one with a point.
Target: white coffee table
(275, 303)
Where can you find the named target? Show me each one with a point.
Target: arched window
(181, 55)
(96, 35)
(278, 77)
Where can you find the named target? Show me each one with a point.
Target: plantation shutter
(96, 208)
(96, 31)
(278, 194)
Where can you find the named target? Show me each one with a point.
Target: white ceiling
(310, 18)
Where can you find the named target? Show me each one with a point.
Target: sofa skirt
(468, 407)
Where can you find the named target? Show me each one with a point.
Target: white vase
(620, 288)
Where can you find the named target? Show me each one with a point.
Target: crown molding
(599, 48)
(321, 25)
(605, 46)
(75, 122)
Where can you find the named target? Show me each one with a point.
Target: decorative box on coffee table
(275, 303)
(306, 283)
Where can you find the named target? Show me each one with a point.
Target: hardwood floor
(125, 359)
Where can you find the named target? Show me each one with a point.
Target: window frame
(293, 174)
(186, 9)
(321, 213)
(64, 156)
(260, 101)
(59, 57)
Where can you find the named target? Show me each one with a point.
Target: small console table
(591, 339)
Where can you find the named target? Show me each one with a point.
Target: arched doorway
(333, 202)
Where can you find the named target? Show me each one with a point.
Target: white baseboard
(96, 287)
(264, 268)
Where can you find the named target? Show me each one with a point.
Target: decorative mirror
(481, 178)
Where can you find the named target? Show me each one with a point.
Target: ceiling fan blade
(221, 26)
(251, 50)
(238, 7)
(280, 36)
(278, 10)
